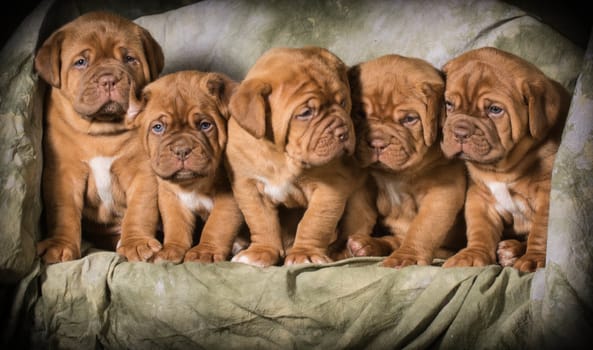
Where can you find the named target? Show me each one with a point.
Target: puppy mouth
(110, 112)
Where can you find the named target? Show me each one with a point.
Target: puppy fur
(415, 192)
(504, 119)
(93, 172)
(290, 147)
(182, 117)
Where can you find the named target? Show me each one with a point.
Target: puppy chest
(196, 202)
(282, 192)
(103, 190)
(508, 203)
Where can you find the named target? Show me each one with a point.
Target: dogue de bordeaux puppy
(416, 193)
(504, 119)
(290, 146)
(92, 175)
(183, 120)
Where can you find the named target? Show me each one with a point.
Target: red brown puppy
(505, 119)
(416, 192)
(182, 117)
(92, 170)
(290, 145)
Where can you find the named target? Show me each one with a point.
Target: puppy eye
(495, 111)
(205, 125)
(158, 128)
(129, 59)
(305, 114)
(80, 63)
(409, 120)
(449, 106)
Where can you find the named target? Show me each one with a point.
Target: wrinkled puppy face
(95, 60)
(183, 117)
(304, 104)
(397, 104)
(497, 105)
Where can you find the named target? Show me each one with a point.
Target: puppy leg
(261, 217)
(178, 226)
(219, 233)
(140, 221)
(484, 230)
(63, 197)
(535, 254)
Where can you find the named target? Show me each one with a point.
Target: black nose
(463, 130)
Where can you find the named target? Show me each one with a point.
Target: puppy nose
(107, 81)
(378, 144)
(181, 151)
(463, 130)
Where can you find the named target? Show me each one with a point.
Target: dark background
(569, 17)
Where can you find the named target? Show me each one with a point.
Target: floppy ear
(154, 53)
(222, 88)
(249, 106)
(135, 106)
(433, 91)
(47, 60)
(547, 101)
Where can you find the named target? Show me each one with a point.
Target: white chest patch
(194, 201)
(101, 169)
(392, 191)
(501, 193)
(277, 193)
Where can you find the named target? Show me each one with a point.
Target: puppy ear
(547, 101)
(135, 106)
(222, 88)
(435, 109)
(154, 53)
(47, 59)
(249, 106)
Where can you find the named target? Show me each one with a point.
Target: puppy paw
(509, 251)
(530, 262)
(306, 256)
(257, 257)
(55, 250)
(405, 257)
(170, 252)
(205, 254)
(139, 249)
(470, 257)
(364, 245)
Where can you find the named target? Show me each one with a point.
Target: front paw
(405, 257)
(55, 250)
(470, 257)
(365, 245)
(306, 256)
(257, 256)
(509, 251)
(139, 249)
(170, 252)
(205, 254)
(530, 262)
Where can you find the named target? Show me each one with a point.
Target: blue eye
(495, 111)
(158, 128)
(205, 125)
(409, 120)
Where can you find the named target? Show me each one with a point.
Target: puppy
(183, 117)
(505, 120)
(290, 146)
(416, 192)
(94, 171)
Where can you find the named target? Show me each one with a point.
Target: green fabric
(348, 304)
(101, 301)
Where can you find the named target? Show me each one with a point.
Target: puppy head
(498, 106)
(183, 119)
(95, 60)
(298, 99)
(397, 105)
